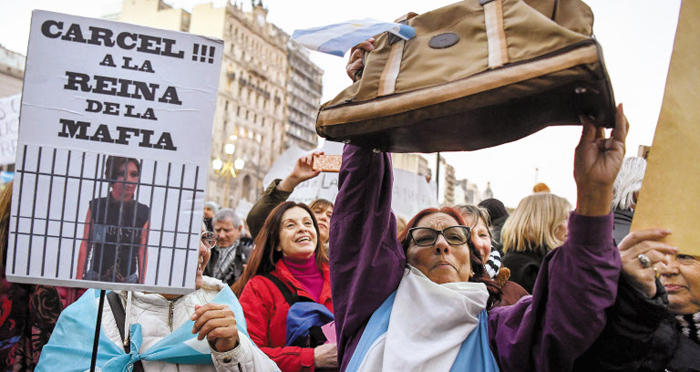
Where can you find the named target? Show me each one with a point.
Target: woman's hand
(357, 58)
(218, 324)
(644, 242)
(303, 170)
(326, 356)
(596, 164)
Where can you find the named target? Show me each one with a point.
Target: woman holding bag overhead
(397, 301)
(288, 270)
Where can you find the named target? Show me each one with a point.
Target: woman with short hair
(422, 303)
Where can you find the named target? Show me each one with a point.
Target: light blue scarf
(70, 346)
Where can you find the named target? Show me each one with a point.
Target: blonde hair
(531, 226)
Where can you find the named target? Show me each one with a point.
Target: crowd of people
(340, 286)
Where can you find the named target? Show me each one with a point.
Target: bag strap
(115, 303)
(495, 32)
(290, 297)
(387, 80)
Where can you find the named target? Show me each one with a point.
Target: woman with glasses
(288, 271)
(209, 321)
(423, 302)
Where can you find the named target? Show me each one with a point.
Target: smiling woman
(288, 268)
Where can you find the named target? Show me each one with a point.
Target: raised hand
(357, 58)
(218, 324)
(303, 170)
(596, 164)
(646, 242)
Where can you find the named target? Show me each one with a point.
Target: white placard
(9, 121)
(113, 155)
(410, 195)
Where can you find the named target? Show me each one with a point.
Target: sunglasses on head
(454, 235)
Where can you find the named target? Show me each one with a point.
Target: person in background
(477, 219)
(625, 192)
(204, 330)
(498, 214)
(641, 334)
(210, 209)
(536, 227)
(540, 187)
(288, 253)
(28, 312)
(232, 250)
(279, 190)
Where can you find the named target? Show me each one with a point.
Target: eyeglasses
(209, 239)
(454, 235)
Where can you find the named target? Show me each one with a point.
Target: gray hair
(628, 182)
(227, 213)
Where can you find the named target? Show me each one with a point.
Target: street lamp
(229, 168)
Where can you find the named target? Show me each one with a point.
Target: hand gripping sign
(113, 153)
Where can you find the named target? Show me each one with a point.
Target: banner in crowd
(670, 193)
(113, 155)
(410, 195)
(9, 123)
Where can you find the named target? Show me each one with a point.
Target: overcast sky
(636, 36)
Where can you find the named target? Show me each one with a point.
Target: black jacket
(640, 336)
(524, 267)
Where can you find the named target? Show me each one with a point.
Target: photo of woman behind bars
(114, 246)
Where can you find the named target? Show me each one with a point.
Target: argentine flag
(339, 38)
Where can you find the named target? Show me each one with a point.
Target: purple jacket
(544, 332)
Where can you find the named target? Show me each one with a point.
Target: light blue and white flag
(70, 346)
(339, 38)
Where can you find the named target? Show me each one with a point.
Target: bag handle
(495, 32)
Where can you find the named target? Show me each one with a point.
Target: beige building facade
(11, 72)
(263, 104)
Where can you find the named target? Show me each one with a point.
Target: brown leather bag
(477, 74)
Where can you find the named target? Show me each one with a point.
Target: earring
(471, 275)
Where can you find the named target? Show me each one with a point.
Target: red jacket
(266, 315)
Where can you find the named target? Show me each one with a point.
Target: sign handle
(97, 331)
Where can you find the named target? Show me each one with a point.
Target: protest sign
(410, 195)
(9, 121)
(670, 193)
(113, 153)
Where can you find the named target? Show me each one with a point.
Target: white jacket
(153, 312)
